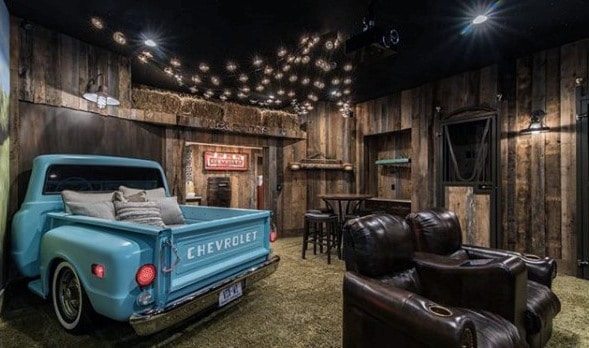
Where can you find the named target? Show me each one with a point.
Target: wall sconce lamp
(536, 123)
(97, 91)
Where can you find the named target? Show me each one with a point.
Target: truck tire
(70, 303)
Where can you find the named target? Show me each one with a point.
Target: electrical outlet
(393, 187)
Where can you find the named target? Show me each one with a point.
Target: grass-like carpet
(298, 306)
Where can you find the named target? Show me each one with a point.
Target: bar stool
(321, 229)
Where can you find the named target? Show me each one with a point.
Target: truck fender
(83, 246)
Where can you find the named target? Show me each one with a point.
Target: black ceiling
(431, 43)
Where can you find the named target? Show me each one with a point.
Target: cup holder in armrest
(532, 257)
(439, 310)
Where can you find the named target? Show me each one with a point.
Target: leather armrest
(405, 315)
(498, 286)
(540, 269)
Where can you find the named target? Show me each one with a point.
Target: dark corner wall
(4, 139)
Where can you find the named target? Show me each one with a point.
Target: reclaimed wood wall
(538, 182)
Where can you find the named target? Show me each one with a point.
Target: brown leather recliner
(391, 301)
(437, 231)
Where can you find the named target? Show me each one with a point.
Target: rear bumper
(151, 322)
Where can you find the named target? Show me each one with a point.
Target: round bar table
(348, 198)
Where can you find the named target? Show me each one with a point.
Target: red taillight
(98, 270)
(145, 275)
(273, 234)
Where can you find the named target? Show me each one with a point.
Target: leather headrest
(436, 230)
(380, 244)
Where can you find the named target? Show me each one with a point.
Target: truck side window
(92, 178)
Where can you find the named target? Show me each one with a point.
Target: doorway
(467, 156)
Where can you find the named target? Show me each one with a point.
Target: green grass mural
(4, 140)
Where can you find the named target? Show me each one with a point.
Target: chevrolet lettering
(220, 244)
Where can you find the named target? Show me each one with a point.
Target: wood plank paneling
(472, 212)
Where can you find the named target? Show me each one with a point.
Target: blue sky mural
(4, 48)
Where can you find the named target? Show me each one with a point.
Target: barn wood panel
(45, 129)
(553, 202)
(537, 160)
(573, 65)
(523, 171)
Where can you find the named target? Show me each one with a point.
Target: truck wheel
(70, 302)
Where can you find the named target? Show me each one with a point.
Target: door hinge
(581, 263)
(580, 116)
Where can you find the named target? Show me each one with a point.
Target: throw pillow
(140, 196)
(69, 196)
(102, 210)
(139, 212)
(152, 194)
(170, 210)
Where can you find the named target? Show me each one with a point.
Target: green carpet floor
(298, 306)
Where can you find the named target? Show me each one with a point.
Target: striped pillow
(139, 212)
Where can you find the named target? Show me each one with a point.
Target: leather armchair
(437, 231)
(392, 301)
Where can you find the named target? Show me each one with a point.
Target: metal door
(467, 156)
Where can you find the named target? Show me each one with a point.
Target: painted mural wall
(4, 140)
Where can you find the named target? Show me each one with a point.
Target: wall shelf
(393, 161)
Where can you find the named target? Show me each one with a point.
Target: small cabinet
(388, 165)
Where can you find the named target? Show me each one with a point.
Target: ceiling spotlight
(480, 19)
(347, 81)
(196, 79)
(150, 43)
(258, 61)
(291, 94)
(293, 78)
(305, 50)
(245, 89)
(241, 95)
(281, 52)
(347, 91)
(175, 62)
(203, 67)
(329, 45)
(97, 22)
(168, 70)
(265, 81)
(268, 70)
(193, 89)
(259, 88)
(147, 54)
(335, 81)
(280, 92)
(348, 67)
(286, 68)
(119, 38)
(271, 96)
(279, 75)
(243, 78)
(227, 92)
(223, 97)
(306, 59)
(305, 81)
(215, 80)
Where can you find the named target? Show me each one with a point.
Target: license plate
(229, 294)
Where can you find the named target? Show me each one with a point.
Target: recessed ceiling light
(150, 43)
(480, 19)
(175, 62)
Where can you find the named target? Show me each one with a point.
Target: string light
(290, 63)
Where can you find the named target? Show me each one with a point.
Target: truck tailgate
(212, 251)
